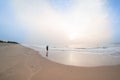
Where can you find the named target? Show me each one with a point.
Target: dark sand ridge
(21, 63)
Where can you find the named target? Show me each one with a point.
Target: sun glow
(73, 36)
(85, 22)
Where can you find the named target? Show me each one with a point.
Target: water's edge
(81, 57)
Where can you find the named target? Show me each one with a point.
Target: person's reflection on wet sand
(47, 53)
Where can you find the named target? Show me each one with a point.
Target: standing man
(47, 50)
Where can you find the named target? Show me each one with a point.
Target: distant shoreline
(2, 41)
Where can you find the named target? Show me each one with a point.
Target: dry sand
(20, 63)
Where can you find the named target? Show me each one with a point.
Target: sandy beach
(21, 63)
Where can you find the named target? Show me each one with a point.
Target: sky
(60, 22)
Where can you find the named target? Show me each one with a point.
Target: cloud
(88, 20)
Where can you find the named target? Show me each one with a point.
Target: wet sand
(21, 63)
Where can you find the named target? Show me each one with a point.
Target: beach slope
(21, 63)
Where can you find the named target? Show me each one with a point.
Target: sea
(82, 57)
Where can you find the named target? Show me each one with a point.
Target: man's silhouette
(47, 50)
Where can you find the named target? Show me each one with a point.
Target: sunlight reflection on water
(76, 58)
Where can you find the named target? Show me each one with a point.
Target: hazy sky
(68, 22)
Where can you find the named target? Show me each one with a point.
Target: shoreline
(80, 59)
(21, 63)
